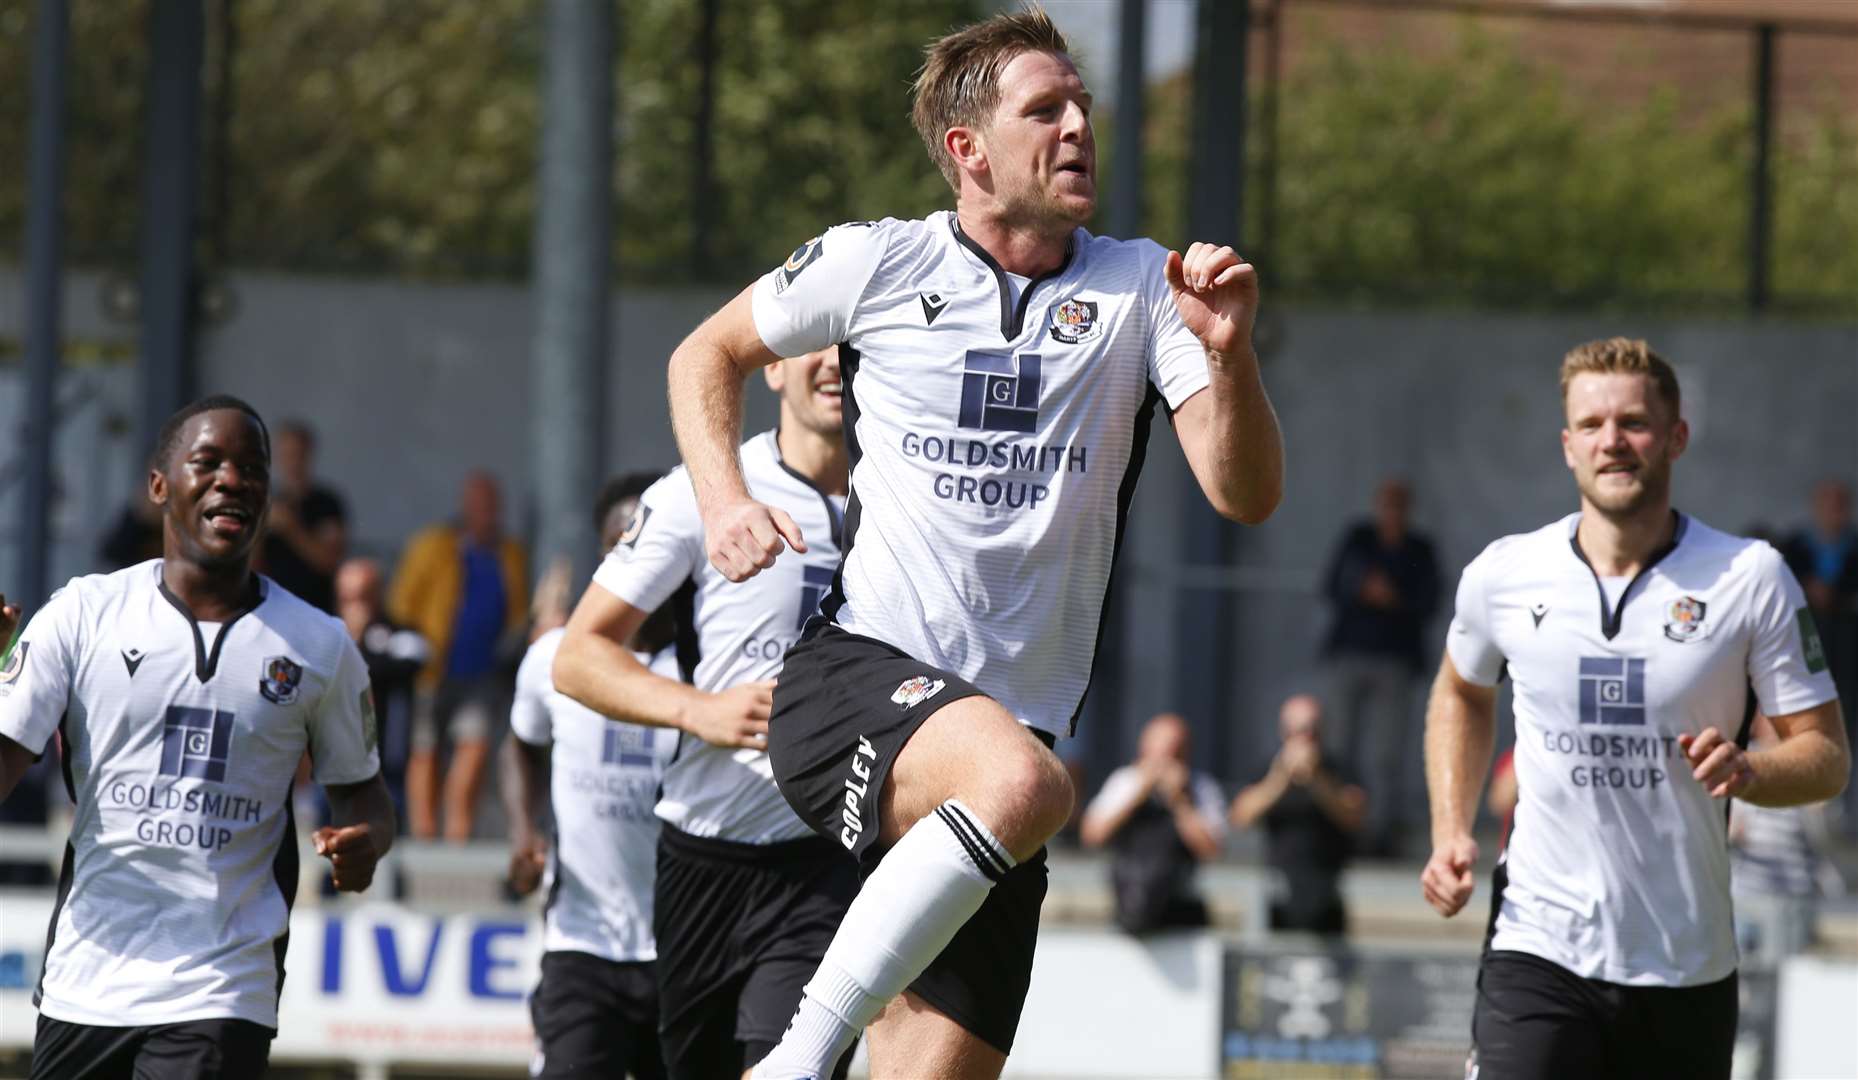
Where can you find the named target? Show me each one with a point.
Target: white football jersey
(181, 742)
(729, 633)
(603, 780)
(1618, 864)
(995, 434)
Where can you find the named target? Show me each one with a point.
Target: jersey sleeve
(1469, 642)
(344, 731)
(1786, 658)
(807, 302)
(35, 681)
(1120, 789)
(660, 550)
(529, 720)
(1176, 358)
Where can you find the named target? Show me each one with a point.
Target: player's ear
(964, 146)
(157, 487)
(776, 374)
(1567, 452)
(1680, 438)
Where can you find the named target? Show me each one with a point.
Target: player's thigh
(975, 751)
(769, 999)
(1534, 1020)
(65, 1051)
(1684, 1031)
(205, 1050)
(592, 1017)
(703, 1044)
(914, 1038)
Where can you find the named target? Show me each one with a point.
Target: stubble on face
(1622, 441)
(1044, 180)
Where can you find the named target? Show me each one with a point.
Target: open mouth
(833, 390)
(1619, 469)
(229, 520)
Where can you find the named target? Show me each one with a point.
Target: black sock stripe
(975, 841)
(976, 852)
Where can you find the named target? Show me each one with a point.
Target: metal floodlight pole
(1131, 119)
(573, 259)
(1205, 639)
(44, 288)
(170, 168)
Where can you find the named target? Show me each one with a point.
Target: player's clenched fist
(351, 854)
(9, 621)
(1719, 765)
(737, 716)
(1216, 293)
(745, 537)
(1448, 877)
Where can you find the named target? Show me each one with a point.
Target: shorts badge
(916, 690)
(1684, 619)
(1074, 321)
(279, 680)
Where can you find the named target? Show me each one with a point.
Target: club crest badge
(1684, 619)
(1074, 321)
(916, 690)
(279, 680)
(15, 665)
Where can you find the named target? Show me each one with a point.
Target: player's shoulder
(301, 623)
(1740, 554)
(543, 649)
(97, 598)
(1503, 558)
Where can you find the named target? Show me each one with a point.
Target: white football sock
(911, 906)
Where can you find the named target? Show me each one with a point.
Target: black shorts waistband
(803, 849)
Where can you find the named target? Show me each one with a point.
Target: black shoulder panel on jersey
(66, 873)
(1138, 453)
(848, 529)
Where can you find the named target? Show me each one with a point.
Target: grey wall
(411, 385)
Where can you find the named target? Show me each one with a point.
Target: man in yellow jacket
(464, 585)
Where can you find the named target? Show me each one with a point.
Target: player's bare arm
(596, 668)
(14, 761)
(521, 767)
(742, 536)
(1810, 763)
(1461, 725)
(361, 830)
(1229, 431)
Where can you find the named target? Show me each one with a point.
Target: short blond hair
(1622, 356)
(959, 84)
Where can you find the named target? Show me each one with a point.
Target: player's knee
(1037, 795)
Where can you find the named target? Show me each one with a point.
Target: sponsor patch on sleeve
(370, 728)
(1810, 645)
(804, 256)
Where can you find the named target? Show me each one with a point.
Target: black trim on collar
(1012, 318)
(206, 664)
(1610, 619)
(835, 519)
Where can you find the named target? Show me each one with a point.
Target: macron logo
(934, 304)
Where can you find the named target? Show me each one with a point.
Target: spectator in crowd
(306, 534)
(1311, 810)
(134, 537)
(1384, 584)
(462, 585)
(1824, 556)
(1777, 871)
(395, 654)
(1160, 820)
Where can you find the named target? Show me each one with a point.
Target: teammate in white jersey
(747, 898)
(1638, 641)
(1001, 368)
(596, 1009)
(185, 691)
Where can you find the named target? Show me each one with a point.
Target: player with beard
(1639, 642)
(1001, 366)
(746, 898)
(186, 689)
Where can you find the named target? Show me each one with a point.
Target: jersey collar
(834, 517)
(1012, 316)
(206, 662)
(1612, 615)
